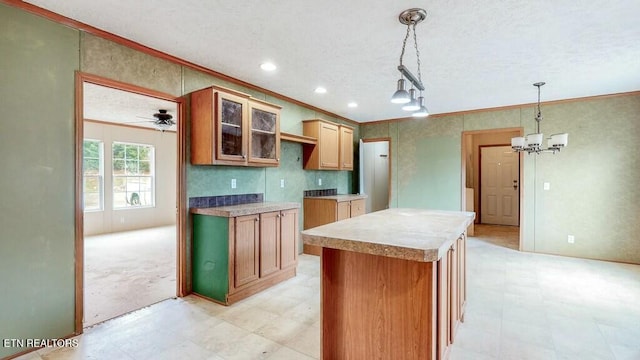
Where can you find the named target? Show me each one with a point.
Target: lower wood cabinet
(451, 297)
(236, 257)
(324, 210)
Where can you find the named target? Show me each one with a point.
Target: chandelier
(411, 18)
(532, 143)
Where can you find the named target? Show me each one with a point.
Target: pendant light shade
(413, 104)
(422, 111)
(401, 96)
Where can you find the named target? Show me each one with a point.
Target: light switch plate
(282, 183)
(547, 185)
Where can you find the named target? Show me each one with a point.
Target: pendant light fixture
(532, 143)
(410, 101)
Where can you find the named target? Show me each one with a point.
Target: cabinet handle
(277, 159)
(282, 214)
(257, 219)
(278, 215)
(244, 156)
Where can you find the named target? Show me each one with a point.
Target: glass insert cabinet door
(232, 134)
(265, 133)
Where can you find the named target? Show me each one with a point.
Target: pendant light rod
(407, 74)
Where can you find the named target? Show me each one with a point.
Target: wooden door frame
(381, 139)
(467, 135)
(181, 205)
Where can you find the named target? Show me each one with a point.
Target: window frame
(152, 183)
(99, 176)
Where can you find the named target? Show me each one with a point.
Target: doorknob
(515, 184)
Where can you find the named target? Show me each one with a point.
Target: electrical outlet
(319, 181)
(233, 183)
(571, 239)
(547, 185)
(122, 220)
(282, 183)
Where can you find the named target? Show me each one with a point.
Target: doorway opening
(491, 179)
(129, 237)
(375, 173)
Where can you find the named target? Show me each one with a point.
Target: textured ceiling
(111, 105)
(475, 54)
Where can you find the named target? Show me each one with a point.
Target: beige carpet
(127, 271)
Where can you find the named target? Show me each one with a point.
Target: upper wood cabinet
(334, 148)
(346, 147)
(231, 128)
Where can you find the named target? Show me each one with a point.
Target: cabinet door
(264, 142)
(443, 318)
(357, 207)
(288, 238)
(231, 119)
(246, 253)
(462, 275)
(344, 210)
(346, 148)
(328, 142)
(269, 243)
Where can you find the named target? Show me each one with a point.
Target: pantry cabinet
(231, 128)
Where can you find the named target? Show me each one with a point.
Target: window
(133, 175)
(92, 174)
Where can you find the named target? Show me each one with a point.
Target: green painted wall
(594, 194)
(36, 186)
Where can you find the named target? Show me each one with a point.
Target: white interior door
(499, 185)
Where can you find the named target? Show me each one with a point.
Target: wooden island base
(393, 284)
(377, 307)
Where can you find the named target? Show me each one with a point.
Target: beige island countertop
(410, 234)
(245, 209)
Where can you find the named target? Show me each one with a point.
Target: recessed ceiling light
(352, 104)
(268, 66)
(320, 90)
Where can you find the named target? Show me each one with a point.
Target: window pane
(91, 166)
(119, 199)
(131, 152)
(91, 185)
(132, 167)
(145, 168)
(118, 167)
(119, 184)
(91, 149)
(145, 183)
(118, 151)
(145, 153)
(92, 201)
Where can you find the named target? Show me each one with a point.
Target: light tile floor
(520, 306)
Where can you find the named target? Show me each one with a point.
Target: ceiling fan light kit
(410, 18)
(532, 143)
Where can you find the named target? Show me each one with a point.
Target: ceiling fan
(162, 120)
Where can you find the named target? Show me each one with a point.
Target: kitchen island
(392, 283)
